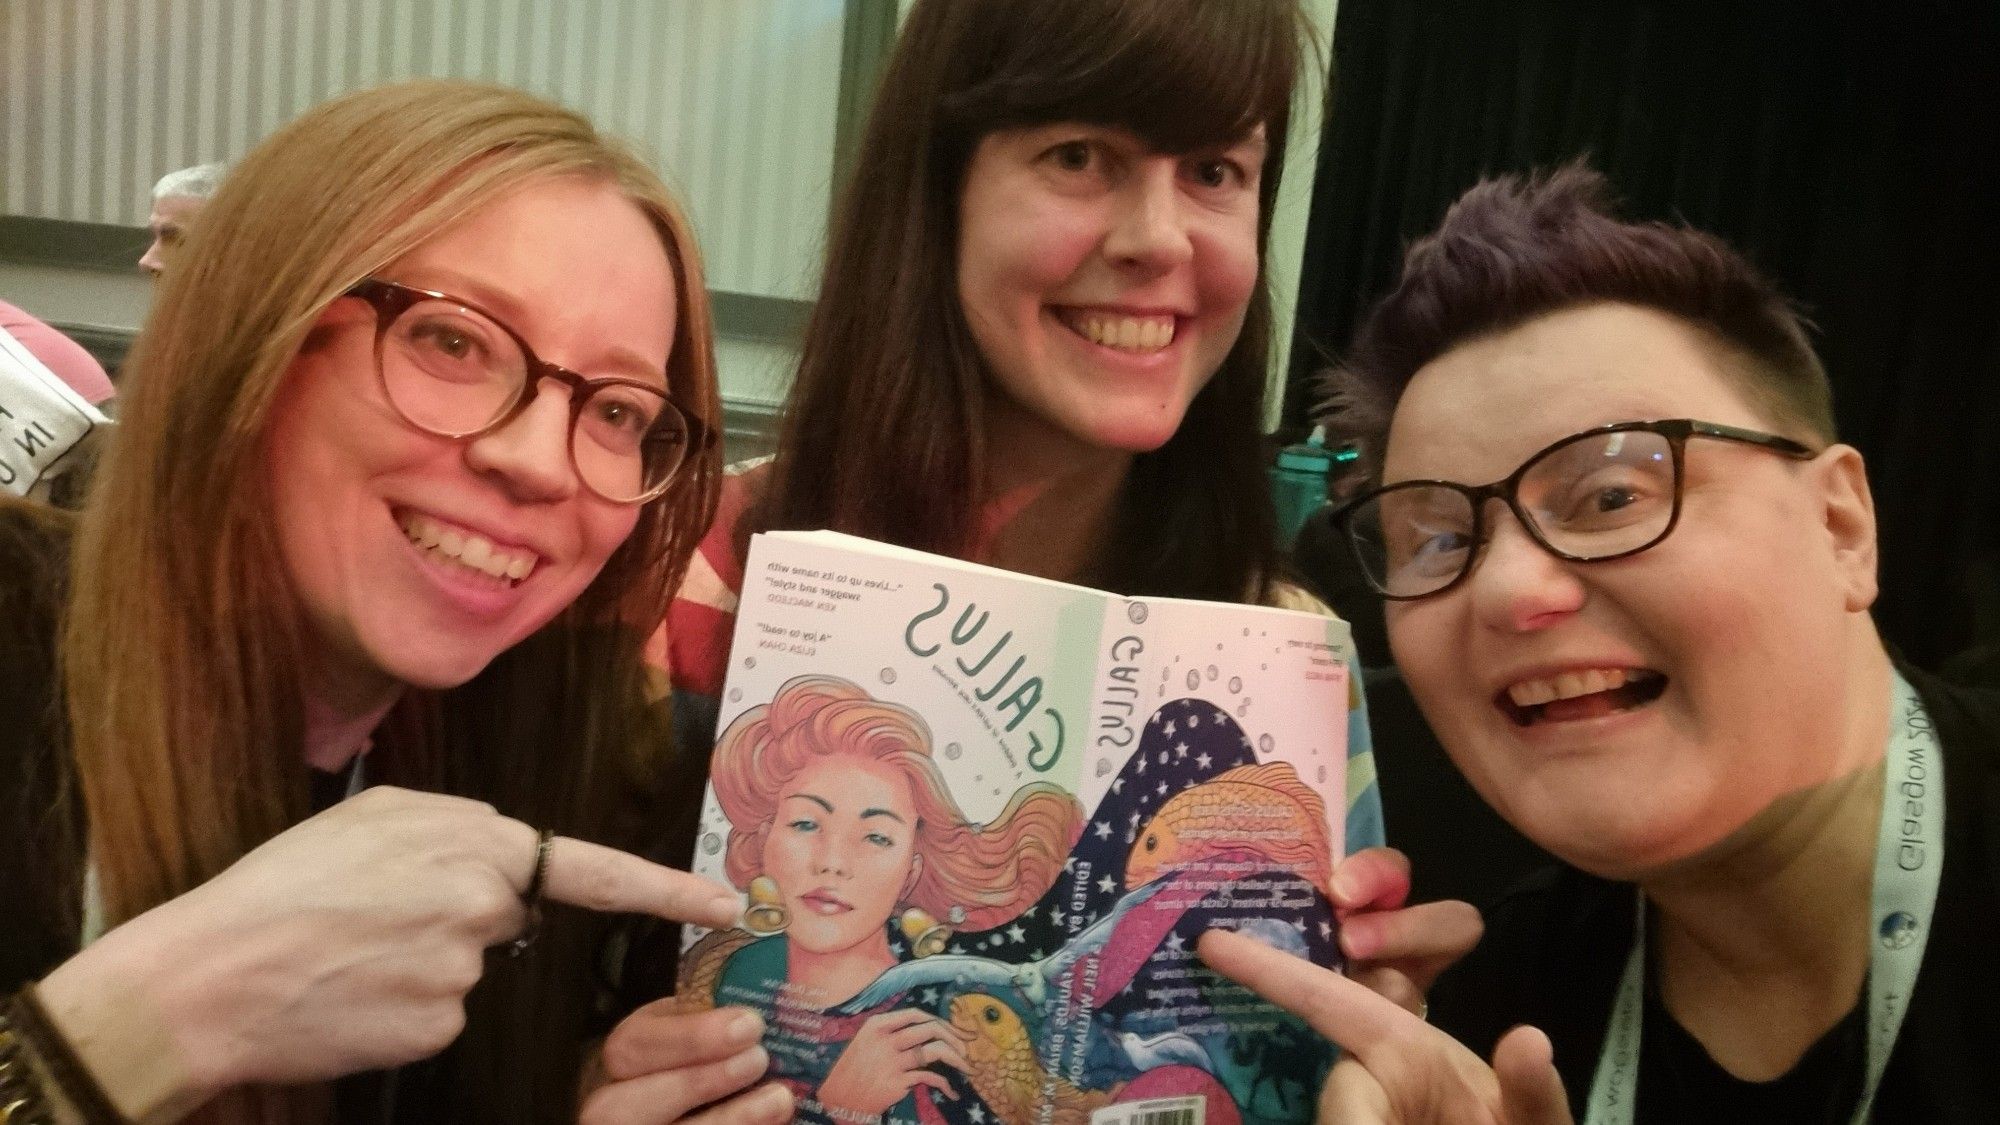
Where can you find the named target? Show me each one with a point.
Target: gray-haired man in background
(176, 198)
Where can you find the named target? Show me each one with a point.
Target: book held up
(980, 819)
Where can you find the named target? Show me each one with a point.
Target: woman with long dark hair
(1041, 343)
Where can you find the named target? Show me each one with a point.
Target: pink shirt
(59, 354)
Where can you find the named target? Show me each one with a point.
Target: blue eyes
(1444, 543)
(807, 825)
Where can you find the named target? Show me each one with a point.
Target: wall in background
(737, 102)
(733, 100)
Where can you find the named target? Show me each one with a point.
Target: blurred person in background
(176, 198)
(60, 354)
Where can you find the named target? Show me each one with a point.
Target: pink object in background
(60, 354)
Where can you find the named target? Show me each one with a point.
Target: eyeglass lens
(453, 371)
(1593, 497)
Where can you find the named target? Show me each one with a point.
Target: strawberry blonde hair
(184, 635)
(989, 872)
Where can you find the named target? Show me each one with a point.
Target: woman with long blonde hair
(418, 426)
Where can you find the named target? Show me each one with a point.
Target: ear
(1850, 522)
(910, 884)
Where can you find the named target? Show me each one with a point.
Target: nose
(1149, 230)
(529, 456)
(151, 261)
(1517, 586)
(830, 858)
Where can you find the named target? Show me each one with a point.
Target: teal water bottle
(1298, 483)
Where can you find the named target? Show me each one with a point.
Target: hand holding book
(662, 1064)
(1396, 949)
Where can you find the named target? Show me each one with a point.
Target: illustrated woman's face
(842, 850)
(420, 558)
(1104, 282)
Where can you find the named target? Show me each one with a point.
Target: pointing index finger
(605, 879)
(1361, 1022)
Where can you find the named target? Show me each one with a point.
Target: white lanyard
(1909, 852)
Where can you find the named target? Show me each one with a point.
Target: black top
(1555, 949)
(42, 858)
(38, 923)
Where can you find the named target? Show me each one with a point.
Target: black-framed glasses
(452, 369)
(1602, 494)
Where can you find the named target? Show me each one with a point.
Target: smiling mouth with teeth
(1580, 695)
(474, 553)
(1124, 333)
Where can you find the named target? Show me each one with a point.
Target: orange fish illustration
(1008, 1075)
(1262, 809)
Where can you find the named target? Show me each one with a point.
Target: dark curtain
(1852, 150)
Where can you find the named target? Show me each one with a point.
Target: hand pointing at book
(1395, 1068)
(345, 943)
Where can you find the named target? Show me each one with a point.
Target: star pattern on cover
(1185, 742)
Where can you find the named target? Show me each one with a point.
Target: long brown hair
(883, 434)
(184, 635)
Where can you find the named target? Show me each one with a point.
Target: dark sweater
(38, 857)
(1554, 951)
(42, 858)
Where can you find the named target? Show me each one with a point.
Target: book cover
(979, 820)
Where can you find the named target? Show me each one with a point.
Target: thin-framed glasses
(450, 368)
(1602, 494)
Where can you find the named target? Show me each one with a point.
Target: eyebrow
(622, 361)
(1256, 142)
(865, 813)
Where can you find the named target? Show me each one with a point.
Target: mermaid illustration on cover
(854, 852)
(914, 966)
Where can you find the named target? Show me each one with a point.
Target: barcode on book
(1154, 1111)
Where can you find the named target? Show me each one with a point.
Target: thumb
(1531, 1092)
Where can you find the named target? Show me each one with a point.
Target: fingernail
(774, 1100)
(750, 1063)
(746, 1027)
(1344, 890)
(1355, 943)
(724, 908)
